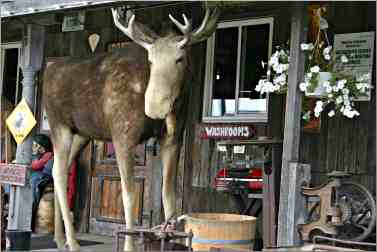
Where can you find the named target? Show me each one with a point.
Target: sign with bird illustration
(21, 121)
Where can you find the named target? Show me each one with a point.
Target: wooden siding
(340, 144)
(346, 144)
(202, 158)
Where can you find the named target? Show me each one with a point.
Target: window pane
(225, 72)
(10, 74)
(255, 41)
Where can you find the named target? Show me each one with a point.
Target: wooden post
(287, 230)
(156, 188)
(21, 197)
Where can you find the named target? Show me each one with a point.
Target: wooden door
(106, 208)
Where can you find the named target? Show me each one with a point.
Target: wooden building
(247, 34)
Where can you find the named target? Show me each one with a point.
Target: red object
(222, 173)
(72, 184)
(255, 173)
(37, 165)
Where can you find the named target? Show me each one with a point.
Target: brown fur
(96, 96)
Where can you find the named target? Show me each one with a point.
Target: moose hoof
(129, 245)
(73, 246)
(60, 243)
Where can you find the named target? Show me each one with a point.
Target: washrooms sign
(227, 131)
(21, 121)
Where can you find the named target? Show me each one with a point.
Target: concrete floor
(108, 243)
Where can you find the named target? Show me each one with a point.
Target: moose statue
(126, 97)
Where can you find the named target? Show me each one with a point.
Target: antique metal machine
(156, 238)
(339, 209)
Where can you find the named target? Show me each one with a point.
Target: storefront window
(234, 66)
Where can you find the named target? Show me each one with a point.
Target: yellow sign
(21, 121)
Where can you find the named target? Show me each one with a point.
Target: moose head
(168, 58)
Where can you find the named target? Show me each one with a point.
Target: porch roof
(12, 8)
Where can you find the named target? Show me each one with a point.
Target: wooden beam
(287, 233)
(20, 205)
(156, 189)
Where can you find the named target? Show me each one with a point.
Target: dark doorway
(12, 89)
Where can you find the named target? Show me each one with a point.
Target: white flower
(346, 99)
(326, 84)
(330, 95)
(340, 83)
(303, 86)
(274, 60)
(281, 79)
(345, 91)
(318, 108)
(349, 112)
(315, 69)
(280, 69)
(344, 59)
(326, 53)
(306, 116)
(335, 88)
(331, 113)
(327, 50)
(309, 75)
(265, 86)
(339, 100)
(328, 89)
(307, 47)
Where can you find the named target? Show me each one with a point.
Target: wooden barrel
(44, 223)
(219, 230)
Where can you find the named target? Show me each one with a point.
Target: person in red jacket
(42, 164)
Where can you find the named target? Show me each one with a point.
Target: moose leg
(125, 159)
(169, 157)
(63, 139)
(58, 222)
(78, 143)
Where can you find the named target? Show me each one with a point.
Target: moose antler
(205, 30)
(135, 31)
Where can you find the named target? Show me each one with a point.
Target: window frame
(259, 117)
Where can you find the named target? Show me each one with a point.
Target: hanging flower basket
(322, 80)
